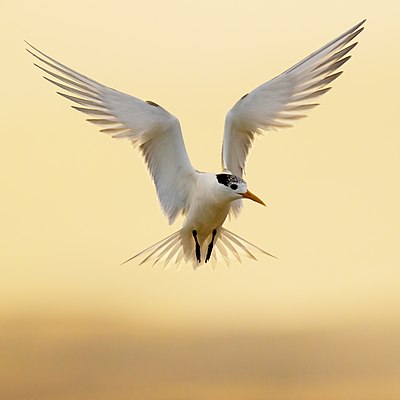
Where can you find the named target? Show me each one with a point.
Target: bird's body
(205, 199)
(208, 207)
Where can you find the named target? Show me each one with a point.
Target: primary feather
(150, 128)
(282, 100)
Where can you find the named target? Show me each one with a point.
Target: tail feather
(234, 235)
(229, 235)
(179, 258)
(172, 253)
(167, 248)
(180, 247)
(152, 249)
(223, 252)
(230, 247)
(161, 250)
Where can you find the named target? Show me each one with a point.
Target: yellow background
(322, 321)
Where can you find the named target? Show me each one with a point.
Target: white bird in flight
(205, 199)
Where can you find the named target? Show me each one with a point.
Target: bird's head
(236, 188)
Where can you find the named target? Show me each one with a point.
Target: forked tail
(180, 248)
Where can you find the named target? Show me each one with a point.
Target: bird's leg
(211, 245)
(198, 256)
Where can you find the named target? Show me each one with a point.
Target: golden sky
(76, 203)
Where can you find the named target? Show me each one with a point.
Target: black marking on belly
(198, 255)
(243, 96)
(211, 245)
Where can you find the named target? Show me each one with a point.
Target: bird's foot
(198, 255)
(211, 245)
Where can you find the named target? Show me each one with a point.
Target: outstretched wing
(152, 129)
(278, 102)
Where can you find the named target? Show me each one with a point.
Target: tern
(204, 199)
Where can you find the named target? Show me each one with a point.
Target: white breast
(208, 209)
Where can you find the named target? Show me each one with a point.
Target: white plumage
(204, 198)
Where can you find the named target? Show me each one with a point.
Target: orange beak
(251, 196)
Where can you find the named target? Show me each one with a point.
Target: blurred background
(321, 322)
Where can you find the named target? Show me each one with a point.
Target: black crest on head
(227, 179)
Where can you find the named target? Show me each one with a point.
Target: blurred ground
(69, 358)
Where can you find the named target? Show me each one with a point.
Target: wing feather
(150, 128)
(278, 102)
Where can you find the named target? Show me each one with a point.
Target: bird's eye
(234, 186)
